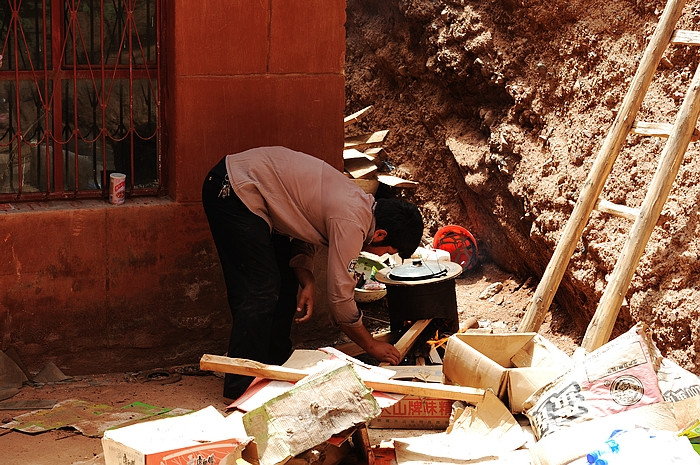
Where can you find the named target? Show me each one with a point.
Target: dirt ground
(499, 109)
(69, 447)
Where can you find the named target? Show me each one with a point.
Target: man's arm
(302, 263)
(305, 297)
(382, 351)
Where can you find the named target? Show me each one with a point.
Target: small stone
(491, 291)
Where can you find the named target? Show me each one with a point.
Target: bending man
(268, 208)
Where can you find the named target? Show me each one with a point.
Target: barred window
(79, 97)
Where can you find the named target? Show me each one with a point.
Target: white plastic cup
(117, 188)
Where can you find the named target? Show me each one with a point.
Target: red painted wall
(96, 288)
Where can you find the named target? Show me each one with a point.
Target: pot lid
(418, 270)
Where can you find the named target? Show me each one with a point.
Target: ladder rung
(685, 37)
(618, 210)
(623, 211)
(646, 128)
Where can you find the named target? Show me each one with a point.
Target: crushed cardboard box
(513, 365)
(204, 436)
(308, 414)
(487, 430)
(413, 412)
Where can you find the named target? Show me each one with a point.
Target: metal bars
(79, 97)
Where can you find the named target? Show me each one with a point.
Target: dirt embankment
(499, 109)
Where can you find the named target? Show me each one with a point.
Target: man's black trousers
(261, 286)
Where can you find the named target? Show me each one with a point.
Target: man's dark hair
(402, 222)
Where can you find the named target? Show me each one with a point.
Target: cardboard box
(413, 412)
(513, 365)
(205, 436)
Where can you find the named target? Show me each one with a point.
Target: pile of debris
(365, 161)
(501, 398)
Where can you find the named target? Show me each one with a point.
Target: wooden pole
(593, 186)
(603, 321)
(246, 367)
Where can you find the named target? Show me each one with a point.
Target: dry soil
(499, 109)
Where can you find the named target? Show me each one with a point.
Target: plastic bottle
(611, 446)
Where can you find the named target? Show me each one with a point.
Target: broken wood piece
(434, 356)
(357, 116)
(360, 168)
(395, 181)
(252, 368)
(374, 152)
(362, 141)
(469, 323)
(404, 344)
(351, 154)
(361, 439)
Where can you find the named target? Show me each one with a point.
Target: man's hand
(384, 352)
(305, 297)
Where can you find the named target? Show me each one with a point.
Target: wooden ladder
(645, 218)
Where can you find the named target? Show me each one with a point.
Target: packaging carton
(414, 412)
(205, 437)
(513, 365)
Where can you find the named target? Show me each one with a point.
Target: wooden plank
(685, 37)
(406, 341)
(361, 438)
(360, 168)
(646, 128)
(425, 373)
(362, 141)
(252, 368)
(593, 186)
(357, 116)
(395, 181)
(375, 152)
(601, 326)
(351, 154)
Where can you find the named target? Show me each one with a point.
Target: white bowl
(369, 295)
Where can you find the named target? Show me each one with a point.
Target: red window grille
(80, 98)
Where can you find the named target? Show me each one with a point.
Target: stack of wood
(363, 156)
